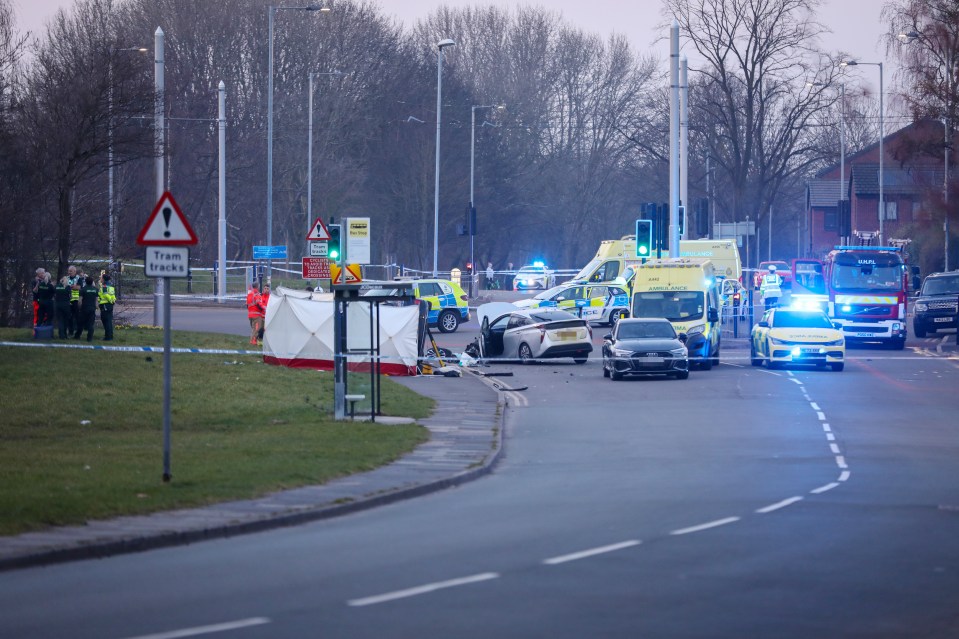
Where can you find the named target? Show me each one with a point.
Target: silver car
(508, 332)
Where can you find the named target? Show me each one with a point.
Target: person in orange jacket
(264, 302)
(255, 312)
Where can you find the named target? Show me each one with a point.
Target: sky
(855, 24)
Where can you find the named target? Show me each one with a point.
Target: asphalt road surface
(740, 503)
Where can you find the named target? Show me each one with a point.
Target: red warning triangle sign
(319, 232)
(167, 226)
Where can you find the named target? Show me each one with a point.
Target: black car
(645, 346)
(936, 306)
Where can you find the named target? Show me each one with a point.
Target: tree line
(580, 144)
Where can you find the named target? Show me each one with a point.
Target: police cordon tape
(133, 349)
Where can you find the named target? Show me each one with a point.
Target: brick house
(913, 170)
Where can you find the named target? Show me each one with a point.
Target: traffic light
(333, 246)
(644, 238)
(845, 218)
(682, 220)
(702, 218)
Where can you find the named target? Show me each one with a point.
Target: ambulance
(686, 292)
(614, 256)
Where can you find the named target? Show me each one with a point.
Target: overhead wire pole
(684, 144)
(439, 117)
(221, 205)
(674, 139)
(159, 311)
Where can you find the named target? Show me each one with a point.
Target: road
(741, 502)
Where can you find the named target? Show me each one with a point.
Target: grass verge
(81, 430)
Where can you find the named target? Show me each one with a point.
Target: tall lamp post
(269, 128)
(436, 188)
(111, 224)
(882, 134)
(472, 231)
(909, 38)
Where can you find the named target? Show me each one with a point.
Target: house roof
(823, 192)
(865, 180)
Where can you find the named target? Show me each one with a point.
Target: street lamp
(882, 134)
(909, 38)
(439, 110)
(111, 228)
(269, 128)
(309, 152)
(472, 231)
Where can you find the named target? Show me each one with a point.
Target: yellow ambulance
(685, 291)
(614, 256)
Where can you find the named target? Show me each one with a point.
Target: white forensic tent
(299, 333)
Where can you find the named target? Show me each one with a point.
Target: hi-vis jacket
(770, 286)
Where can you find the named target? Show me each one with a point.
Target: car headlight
(679, 352)
(778, 342)
(695, 330)
(922, 306)
(835, 342)
(616, 352)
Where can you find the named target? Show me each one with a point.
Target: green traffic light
(644, 250)
(334, 254)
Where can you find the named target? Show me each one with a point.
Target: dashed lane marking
(207, 630)
(583, 554)
(778, 505)
(422, 590)
(706, 526)
(822, 489)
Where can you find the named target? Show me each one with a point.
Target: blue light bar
(869, 248)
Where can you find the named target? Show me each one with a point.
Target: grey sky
(855, 24)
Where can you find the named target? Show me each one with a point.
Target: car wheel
(706, 363)
(580, 360)
(605, 370)
(682, 375)
(838, 366)
(613, 375)
(918, 330)
(447, 322)
(755, 361)
(525, 354)
(898, 344)
(614, 317)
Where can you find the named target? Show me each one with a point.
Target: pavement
(465, 443)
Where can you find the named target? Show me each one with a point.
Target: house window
(892, 210)
(830, 220)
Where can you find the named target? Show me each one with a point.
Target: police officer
(771, 288)
(107, 298)
(75, 280)
(89, 295)
(61, 297)
(45, 292)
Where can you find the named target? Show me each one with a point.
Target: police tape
(133, 349)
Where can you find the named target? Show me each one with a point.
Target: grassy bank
(81, 430)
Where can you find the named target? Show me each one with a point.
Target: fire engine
(867, 290)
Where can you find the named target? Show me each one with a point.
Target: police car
(600, 303)
(793, 336)
(446, 300)
(533, 276)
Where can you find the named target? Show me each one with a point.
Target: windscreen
(551, 315)
(637, 330)
(941, 286)
(676, 306)
(799, 319)
(870, 272)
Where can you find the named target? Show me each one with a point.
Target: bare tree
(751, 101)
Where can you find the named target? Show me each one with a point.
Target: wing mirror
(837, 326)
(683, 337)
(712, 315)
(764, 324)
(608, 337)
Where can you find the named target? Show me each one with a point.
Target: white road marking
(821, 415)
(814, 405)
(844, 475)
(552, 561)
(793, 379)
(706, 526)
(778, 505)
(825, 427)
(822, 489)
(830, 437)
(422, 590)
(835, 449)
(207, 630)
(841, 461)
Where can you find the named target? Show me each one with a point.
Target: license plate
(944, 320)
(650, 360)
(868, 335)
(563, 336)
(810, 351)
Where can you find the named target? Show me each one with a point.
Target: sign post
(167, 236)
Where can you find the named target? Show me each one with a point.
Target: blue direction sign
(269, 252)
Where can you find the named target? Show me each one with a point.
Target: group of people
(256, 303)
(72, 302)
